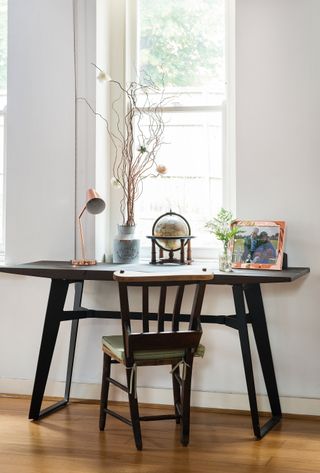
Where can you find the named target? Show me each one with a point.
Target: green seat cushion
(114, 343)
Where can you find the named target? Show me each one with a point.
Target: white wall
(278, 143)
(40, 165)
(277, 63)
(40, 171)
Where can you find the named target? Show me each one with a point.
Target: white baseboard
(217, 400)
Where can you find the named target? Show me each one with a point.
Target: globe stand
(171, 233)
(184, 241)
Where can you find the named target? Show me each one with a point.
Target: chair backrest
(162, 339)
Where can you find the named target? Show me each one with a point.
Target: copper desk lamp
(94, 205)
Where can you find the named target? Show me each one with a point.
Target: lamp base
(83, 262)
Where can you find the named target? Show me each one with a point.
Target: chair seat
(114, 344)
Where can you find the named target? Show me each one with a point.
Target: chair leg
(176, 395)
(104, 390)
(134, 409)
(186, 394)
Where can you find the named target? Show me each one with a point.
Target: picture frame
(258, 244)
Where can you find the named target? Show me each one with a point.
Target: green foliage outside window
(182, 41)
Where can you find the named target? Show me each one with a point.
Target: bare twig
(136, 141)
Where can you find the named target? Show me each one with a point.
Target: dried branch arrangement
(136, 139)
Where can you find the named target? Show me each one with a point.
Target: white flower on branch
(103, 76)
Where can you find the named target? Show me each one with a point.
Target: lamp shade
(95, 204)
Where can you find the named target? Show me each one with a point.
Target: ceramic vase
(126, 245)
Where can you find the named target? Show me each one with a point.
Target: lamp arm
(81, 213)
(94, 205)
(81, 233)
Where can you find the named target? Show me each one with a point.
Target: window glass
(181, 49)
(194, 179)
(181, 43)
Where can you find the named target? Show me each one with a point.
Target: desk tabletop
(104, 272)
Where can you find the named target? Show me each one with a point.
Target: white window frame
(3, 115)
(123, 30)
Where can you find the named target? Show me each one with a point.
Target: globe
(170, 225)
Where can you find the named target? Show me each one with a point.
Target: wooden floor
(69, 442)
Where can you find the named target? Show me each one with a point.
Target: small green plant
(221, 227)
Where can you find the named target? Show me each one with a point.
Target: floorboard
(69, 441)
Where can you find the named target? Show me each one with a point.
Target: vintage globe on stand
(170, 225)
(171, 233)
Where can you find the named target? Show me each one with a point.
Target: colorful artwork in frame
(258, 245)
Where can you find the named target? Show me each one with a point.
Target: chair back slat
(162, 307)
(194, 323)
(145, 308)
(125, 314)
(124, 307)
(177, 308)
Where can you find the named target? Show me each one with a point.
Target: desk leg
(246, 356)
(259, 325)
(57, 297)
(260, 330)
(73, 339)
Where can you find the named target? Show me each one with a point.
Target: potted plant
(221, 226)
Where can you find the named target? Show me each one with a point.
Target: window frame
(3, 114)
(126, 13)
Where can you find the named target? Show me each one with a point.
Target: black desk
(245, 287)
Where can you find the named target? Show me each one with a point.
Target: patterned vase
(126, 246)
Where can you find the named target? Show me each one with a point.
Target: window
(185, 48)
(3, 104)
(181, 47)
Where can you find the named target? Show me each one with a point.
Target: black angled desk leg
(78, 290)
(246, 355)
(260, 330)
(54, 314)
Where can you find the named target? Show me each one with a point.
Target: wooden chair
(173, 347)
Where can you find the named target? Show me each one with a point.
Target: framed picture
(258, 245)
